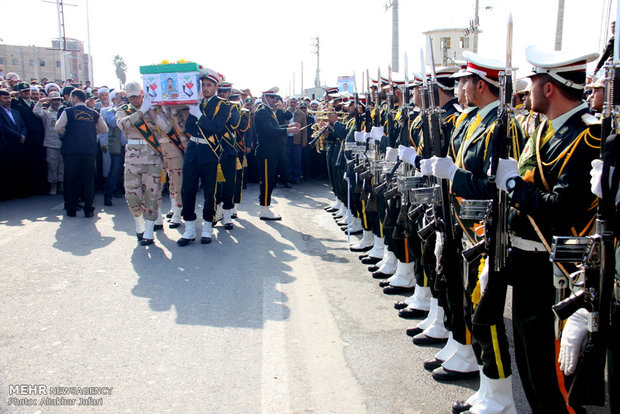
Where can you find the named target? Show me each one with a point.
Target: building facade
(448, 45)
(34, 62)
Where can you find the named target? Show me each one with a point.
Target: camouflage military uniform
(142, 163)
(173, 155)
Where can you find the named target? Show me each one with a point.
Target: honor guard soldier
(228, 160)
(143, 160)
(550, 192)
(470, 181)
(205, 124)
(245, 119)
(271, 138)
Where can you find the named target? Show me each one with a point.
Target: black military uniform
(202, 156)
(550, 197)
(270, 135)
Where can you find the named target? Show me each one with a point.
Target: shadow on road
(89, 236)
(221, 284)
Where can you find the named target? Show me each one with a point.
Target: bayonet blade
(429, 42)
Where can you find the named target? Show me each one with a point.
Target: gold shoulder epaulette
(590, 119)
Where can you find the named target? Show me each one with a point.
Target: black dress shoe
(139, 236)
(107, 202)
(414, 331)
(146, 242)
(169, 214)
(184, 242)
(89, 214)
(362, 256)
(158, 227)
(423, 340)
(412, 313)
(369, 260)
(360, 249)
(330, 209)
(205, 240)
(400, 305)
(228, 226)
(71, 213)
(445, 375)
(174, 225)
(354, 232)
(398, 290)
(432, 364)
(373, 268)
(380, 275)
(233, 216)
(460, 406)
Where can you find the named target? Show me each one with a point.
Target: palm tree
(121, 69)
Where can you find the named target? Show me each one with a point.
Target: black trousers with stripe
(267, 167)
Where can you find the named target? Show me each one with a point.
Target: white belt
(136, 142)
(198, 140)
(526, 245)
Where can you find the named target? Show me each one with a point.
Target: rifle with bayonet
(442, 219)
(594, 281)
(490, 309)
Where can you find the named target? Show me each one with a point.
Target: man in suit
(295, 142)
(12, 137)
(34, 171)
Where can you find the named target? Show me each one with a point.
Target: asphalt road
(272, 317)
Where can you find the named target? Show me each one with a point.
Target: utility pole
(559, 25)
(476, 22)
(317, 79)
(90, 56)
(394, 5)
(62, 37)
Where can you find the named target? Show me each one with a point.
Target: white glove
(573, 338)
(391, 154)
(407, 154)
(484, 276)
(595, 182)
(360, 136)
(443, 167)
(376, 133)
(426, 166)
(147, 103)
(195, 110)
(368, 136)
(506, 169)
(438, 247)
(344, 176)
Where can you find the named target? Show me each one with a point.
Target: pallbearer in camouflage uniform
(143, 159)
(173, 146)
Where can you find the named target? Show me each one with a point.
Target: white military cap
(271, 91)
(566, 67)
(487, 68)
(523, 85)
(210, 74)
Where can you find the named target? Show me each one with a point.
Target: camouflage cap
(54, 95)
(133, 89)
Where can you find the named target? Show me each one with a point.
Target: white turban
(103, 90)
(49, 85)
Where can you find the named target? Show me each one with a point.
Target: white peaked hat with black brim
(487, 68)
(566, 67)
(271, 91)
(210, 74)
